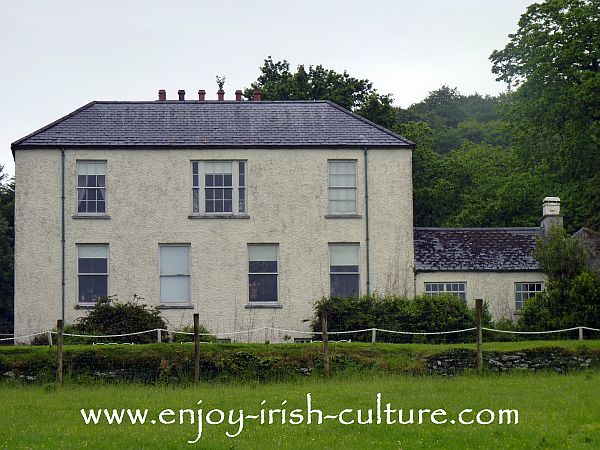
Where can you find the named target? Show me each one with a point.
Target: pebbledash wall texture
(149, 203)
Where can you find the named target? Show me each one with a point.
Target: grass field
(555, 411)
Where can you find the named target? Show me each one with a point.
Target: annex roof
(475, 249)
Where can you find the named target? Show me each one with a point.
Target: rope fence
(312, 337)
(299, 332)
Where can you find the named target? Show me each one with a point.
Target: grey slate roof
(475, 249)
(224, 124)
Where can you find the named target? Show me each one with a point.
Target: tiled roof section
(475, 249)
(213, 124)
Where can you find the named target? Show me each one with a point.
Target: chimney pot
(257, 96)
(201, 95)
(162, 95)
(238, 95)
(181, 94)
(220, 95)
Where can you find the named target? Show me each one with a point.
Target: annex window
(342, 187)
(344, 270)
(219, 187)
(263, 273)
(524, 291)
(92, 272)
(91, 187)
(457, 288)
(174, 274)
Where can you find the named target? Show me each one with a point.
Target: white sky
(58, 55)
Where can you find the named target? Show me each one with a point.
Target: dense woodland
(480, 161)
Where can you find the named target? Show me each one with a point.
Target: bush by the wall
(421, 314)
(564, 304)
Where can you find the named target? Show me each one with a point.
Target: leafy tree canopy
(554, 114)
(561, 257)
(7, 219)
(277, 82)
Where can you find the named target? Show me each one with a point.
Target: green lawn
(555, 411)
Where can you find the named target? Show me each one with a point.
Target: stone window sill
(218, 216)
(273, 305)
(343, 216)
(98, 216)
(85, 306)
(176, 307)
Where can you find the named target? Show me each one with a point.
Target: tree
(553, 60)
(277, 82)
(7, 219)
(561, 257)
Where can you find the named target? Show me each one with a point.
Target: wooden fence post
(581, 333)
(325, 343)
(159, 336)
(478, 314)
(50, 339)
(196, 347)
(374, 335)
(59, 347)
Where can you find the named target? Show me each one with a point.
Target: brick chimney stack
(257, 96)
(238, 96)
(201, 95)
(220, 95)
(162, 95)
(181, 94)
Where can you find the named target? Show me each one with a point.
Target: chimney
(201, 95)
(238, 96)
(551, 214)
(257, 96)
(162, 95)
(220, 95)
(181, 94)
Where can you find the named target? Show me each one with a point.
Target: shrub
(564, 304)
(421, 314)
(109, 316)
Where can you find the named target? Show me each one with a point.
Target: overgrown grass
(555, 411)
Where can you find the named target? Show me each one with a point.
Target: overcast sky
(58, 55)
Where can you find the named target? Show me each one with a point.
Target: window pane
(175, 289)
(350, 269)
(93, 265)
(217, 167)
(174, 259)
(91, 287)
(344, 285)
(262, 253)
(343, 255)
(342, 180)
(242, 201)
(262, 266)
(91, 168)
(262, 288)
(196, 200)
(92, 251)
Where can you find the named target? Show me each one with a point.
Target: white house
(245, 212)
